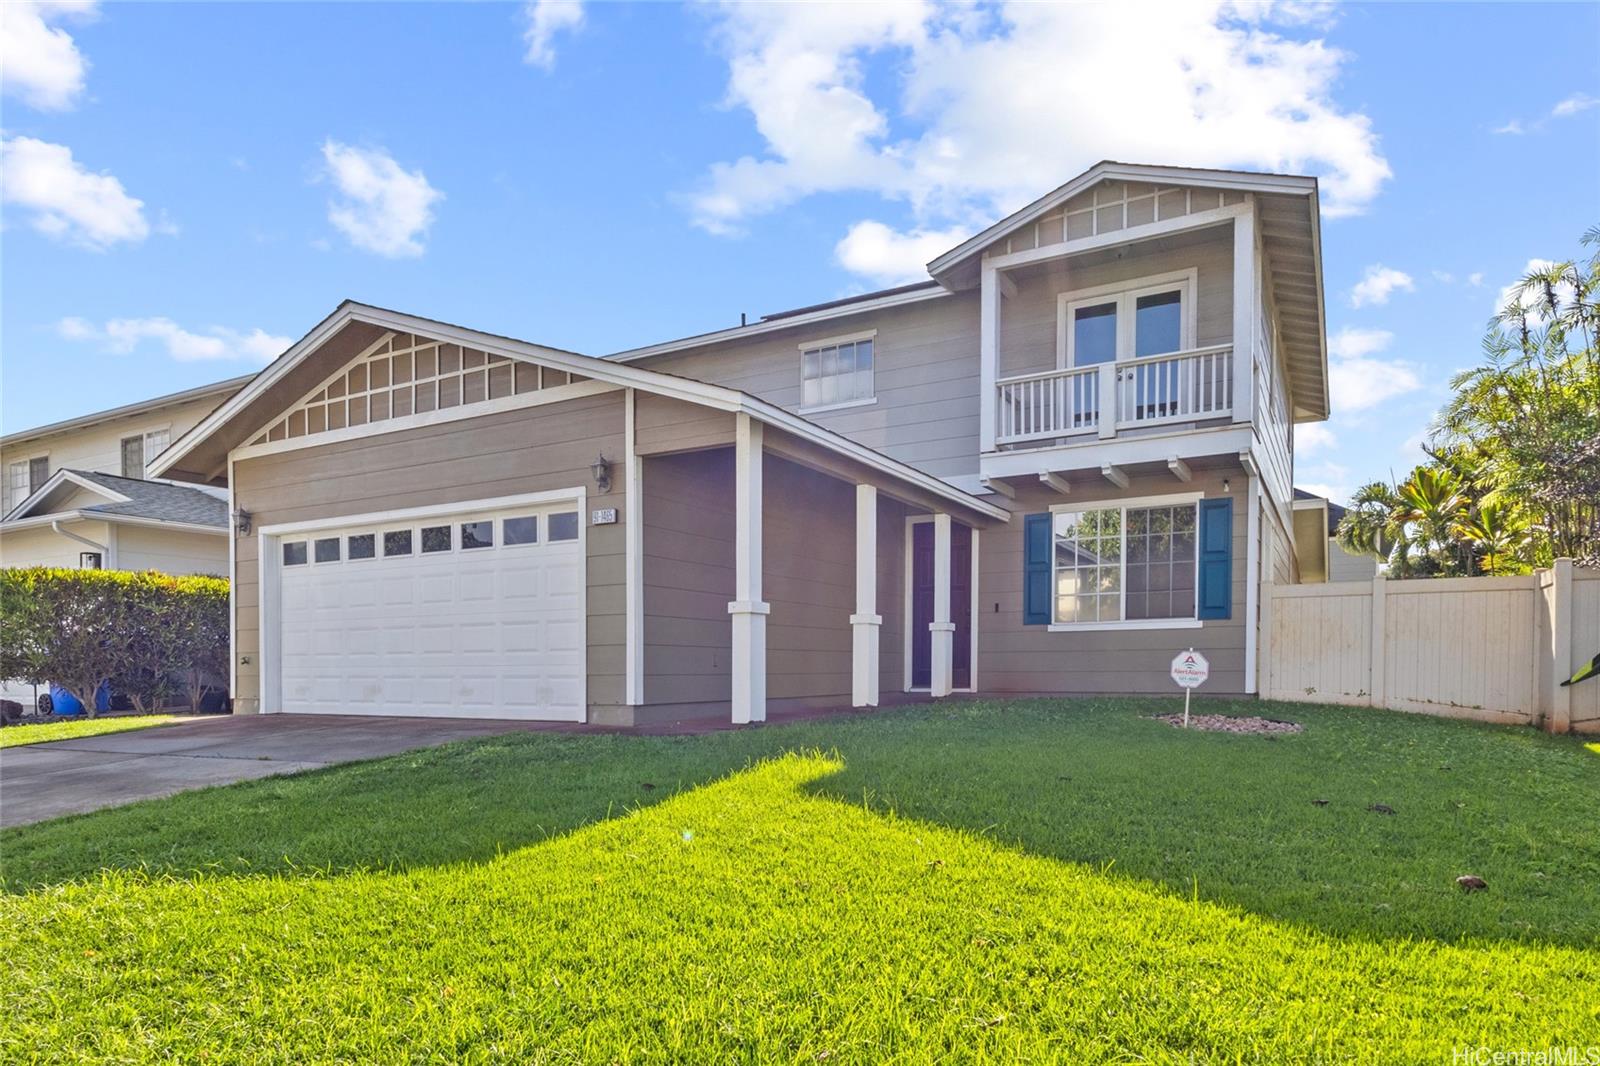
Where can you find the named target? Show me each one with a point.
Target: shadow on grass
(1230, 819)
(788, 924)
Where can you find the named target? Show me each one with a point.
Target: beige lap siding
(925, 358)
(1013, 657)
(535, 449)
(809, 551)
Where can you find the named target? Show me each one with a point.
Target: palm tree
(1499, 533)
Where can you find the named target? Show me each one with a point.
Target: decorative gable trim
(403, 377)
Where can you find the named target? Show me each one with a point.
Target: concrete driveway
(40, 781)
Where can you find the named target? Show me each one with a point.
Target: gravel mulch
(1223, 723)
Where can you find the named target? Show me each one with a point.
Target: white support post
(942, 631)
(866, 622)
(749, 611)
(1252, 579)
(1379, 694)
(988, 356)
(1564, 661)
(1110, 403)
(1244, 314)
(633, 533)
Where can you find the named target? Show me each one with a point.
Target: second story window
(139, 450)
(837, 372)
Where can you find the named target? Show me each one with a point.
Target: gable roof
(124, 499)
(202, 453)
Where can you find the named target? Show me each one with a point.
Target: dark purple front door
(922, 604)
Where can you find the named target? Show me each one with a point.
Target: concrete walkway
(40, 781)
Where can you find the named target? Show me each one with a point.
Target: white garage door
(472, 615)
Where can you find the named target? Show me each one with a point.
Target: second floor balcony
(1098, 401)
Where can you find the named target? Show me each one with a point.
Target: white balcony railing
(1181, 387)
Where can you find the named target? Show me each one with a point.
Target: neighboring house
(1316, 544)
(1061, 460)
(60, 507)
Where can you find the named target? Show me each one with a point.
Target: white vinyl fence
(1489, 648)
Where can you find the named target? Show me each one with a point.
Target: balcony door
(1129, 323)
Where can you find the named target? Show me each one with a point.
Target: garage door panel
(488, 631)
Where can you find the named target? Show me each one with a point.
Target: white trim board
(972, 632)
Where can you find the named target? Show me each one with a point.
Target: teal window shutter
(1036, 570)
(1215, 594)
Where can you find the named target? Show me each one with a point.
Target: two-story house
(78, 493)
(1059, 461)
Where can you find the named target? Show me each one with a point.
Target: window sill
(1150, 623)
(868, 402)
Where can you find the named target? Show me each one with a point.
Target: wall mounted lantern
(241, 521)
(601, 469)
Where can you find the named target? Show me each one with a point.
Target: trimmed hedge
(150, 634)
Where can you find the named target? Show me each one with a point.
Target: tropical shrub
(141, 631)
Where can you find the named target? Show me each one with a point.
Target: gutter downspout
(104, 550)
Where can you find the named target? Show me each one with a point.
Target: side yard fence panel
(1493, 649)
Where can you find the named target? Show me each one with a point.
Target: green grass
(73, 728)
(1053, 880)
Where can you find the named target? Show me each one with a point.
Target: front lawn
(72, 728)
(1041, 880)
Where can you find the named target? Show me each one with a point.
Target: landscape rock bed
(1222, 723)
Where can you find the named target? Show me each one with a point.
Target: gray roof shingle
(161, 500)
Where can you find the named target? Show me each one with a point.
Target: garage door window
(477, 534)
(523, 530)
(564, 526)
(328, 550)
(435, 538)
(294, 553)
(361, 546)
(397, 542)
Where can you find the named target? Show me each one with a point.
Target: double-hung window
(837, 372)
(137, 451)
(1124, 563)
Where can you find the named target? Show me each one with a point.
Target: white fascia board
(1187, 444)
(46, 520)
(54, 482)
(717, 397)
(1242, 181)
(756, 329)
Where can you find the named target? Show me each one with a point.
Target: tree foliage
(148, 633)
(1512, 479)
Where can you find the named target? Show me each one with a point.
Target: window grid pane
(836, 374)
(361, 546)
(563, 526)
(436, 538)
(397, 542)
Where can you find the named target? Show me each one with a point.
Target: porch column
(1245, 309)
(866, 622)
(749, 660)
(941, 630)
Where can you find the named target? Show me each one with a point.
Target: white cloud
(1358, 380)
(1514, 128)
(546, 18)
(1313, 437)
(65, 201)
(1444, 277)
(384, 209)
(123, 335)
(1574, 104)
(1475, 278)
(1339, 494)
(1378, 283)
(986, 108)
(40, 62)
(887, 257)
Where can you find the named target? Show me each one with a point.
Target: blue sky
(185, 186)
